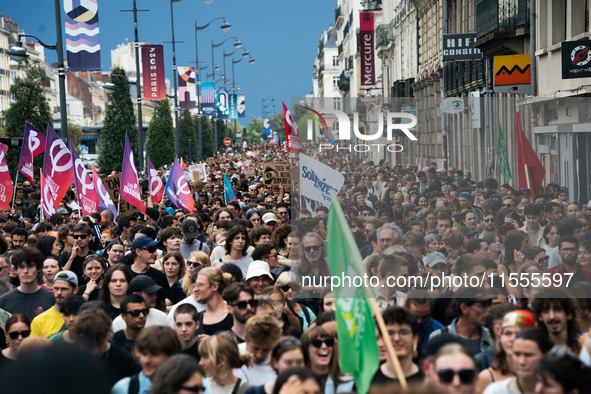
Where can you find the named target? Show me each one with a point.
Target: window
(335, 61)
(335, 82)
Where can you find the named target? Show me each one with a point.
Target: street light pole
(176, 105)
(61, 72)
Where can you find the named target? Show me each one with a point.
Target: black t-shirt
(193, 351)
(210, 329)
(29, 304)
(93, 296)
(440, 305)
(118, 364)
(76, 266)
(379, 378)
(160, 279)
(177, 293)
(113, 312)
(119, 339)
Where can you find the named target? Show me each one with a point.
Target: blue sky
(281, 35)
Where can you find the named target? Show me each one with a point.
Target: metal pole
(61, 72)
(176, 105)
(215, 128)
(138, 87)
(489, 115)
(197, 81)
(532, 46)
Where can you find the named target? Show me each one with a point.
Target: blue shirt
(122, 386)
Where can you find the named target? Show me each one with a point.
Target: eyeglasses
(16, 334)
(446, 376)
(150, 249)
(311, 248)
(242, 304)
(285, 287)
(289, 342)
(271, 256)
(136, 312)
(317, 343)
(4, 266)
(193, 389)
(282, 213)
(508, 205)
(79, 236)
(487, 220)
(193, 263)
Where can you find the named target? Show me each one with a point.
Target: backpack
(134, 384)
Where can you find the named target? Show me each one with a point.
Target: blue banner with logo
(208, 98)
(233, 107)
(82, 35)
(223, 104)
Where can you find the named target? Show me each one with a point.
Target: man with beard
(556, 312)
(488, 222)
(568, 248)
(134, 313)
(5, 285)
(239, 296)
(51, 321)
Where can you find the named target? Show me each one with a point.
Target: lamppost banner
(82, 35)
(366, 42)
(223, 105)
(208, 98)
(187, 95)
(153, 74)
(241, 106)
(233, 107)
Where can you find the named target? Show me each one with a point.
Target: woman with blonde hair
(219, 356)
(196, 259)
(290, 286)
(208, 288)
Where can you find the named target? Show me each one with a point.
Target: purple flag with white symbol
(129, 190)
(105, 201)
(155, 183)
(57, 166)
(178, 190)
(33, 144)
(85, 191)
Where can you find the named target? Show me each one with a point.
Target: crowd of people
(217, 300)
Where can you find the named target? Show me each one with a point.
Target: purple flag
(33, 144)
(85, 192)
(155, 182)
(129, 189)
(57, 166)
(178, 190)
(105, 201)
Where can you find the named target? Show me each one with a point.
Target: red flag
(85, 191)
(57, 166)
(129, 189)
(530, 171)
(46, 198)
(33, 144)
(155, 183)
(6, 187)
(292, 134)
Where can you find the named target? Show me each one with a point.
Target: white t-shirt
(258, 374)
(155, 318)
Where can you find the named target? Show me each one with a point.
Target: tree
(161, 142)
(186, 133)
(207, 135)
(119, 119)
(254, 130)
(31, 105)
(74, 135)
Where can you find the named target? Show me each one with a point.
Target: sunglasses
(193, 389)
(150, 249)
(285, 287)
(289, 342)
(314, 248)
(467, 376)
(317, 343)
(79, 236)
(193, 263)
(136, 312)
(508, 205)
(242, 304)
(487, 220)
(16, 334)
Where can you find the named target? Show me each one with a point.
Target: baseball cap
(411, 207)
(190, 229)
(519, 318)
(143, 283)
(142, 242)
(67, 276)
(441, 169)
(62, 210)
(435, 258)
(258, 268)
(269, 217)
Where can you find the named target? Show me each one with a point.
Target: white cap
(269, 217)
(258, 268)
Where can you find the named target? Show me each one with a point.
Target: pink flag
(178, 190)
(155, 183)
(85, 191)
(6, 187)
(105, 201)
(292, 134)
(130, 189)
(57, 166)
(33, 144)
(46, 198)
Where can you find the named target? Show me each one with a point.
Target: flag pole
(14, 191)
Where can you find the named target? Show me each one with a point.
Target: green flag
(502, 153)
(356, 328)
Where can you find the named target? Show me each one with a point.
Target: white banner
(198, 171)
(317, 180)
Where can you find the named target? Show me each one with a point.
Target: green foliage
(187, 132)
(30, 105)
(207, 135)
(161, 140)
(119, 119)
(74, 135)
(254, 130)
(278, 126)
(221, 131)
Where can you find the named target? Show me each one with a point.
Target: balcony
(384, 34)
(500, 15)
(338, 17)
(344, 83)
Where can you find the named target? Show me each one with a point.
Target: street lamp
(237, 44)
(18, 54)
(225, 27)
(176, 104)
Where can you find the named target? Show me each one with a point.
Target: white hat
(269, 217)
(258, 268)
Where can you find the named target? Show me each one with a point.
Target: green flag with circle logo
(502, 153)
